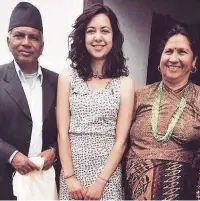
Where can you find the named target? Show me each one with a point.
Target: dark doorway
(160, 25)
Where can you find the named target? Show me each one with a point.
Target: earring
(159, 68)
(194, 70)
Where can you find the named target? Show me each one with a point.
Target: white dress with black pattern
(92, 134)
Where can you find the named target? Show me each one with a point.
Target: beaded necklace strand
(174, 119)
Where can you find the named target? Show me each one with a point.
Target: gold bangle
(67, 177)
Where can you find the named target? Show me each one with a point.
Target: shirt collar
(21, 74)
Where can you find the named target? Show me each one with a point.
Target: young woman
(94, 109)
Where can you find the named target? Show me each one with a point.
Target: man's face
(26, 45)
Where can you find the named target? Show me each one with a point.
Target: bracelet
(67, 177)
(102, 179)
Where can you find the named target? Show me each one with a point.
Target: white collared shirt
(34, 98)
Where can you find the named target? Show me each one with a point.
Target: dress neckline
(99, 91)
(177, 91)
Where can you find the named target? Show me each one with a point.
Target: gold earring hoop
(194, 70)
(159, 68)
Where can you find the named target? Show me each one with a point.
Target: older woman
(94, 109)
(165, 135)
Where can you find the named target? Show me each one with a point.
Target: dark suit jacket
(16, 122)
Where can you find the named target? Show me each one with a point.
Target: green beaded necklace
(173, 120)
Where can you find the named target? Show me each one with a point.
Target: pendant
(96, 75)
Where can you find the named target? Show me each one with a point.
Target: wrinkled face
(26, 44)
(99, 37)
(177, 59)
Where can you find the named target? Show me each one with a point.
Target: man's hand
(49, 157)
(22, 164)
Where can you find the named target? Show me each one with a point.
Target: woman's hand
(95, 191)
(75, 189)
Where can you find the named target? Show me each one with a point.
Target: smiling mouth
(98, 47)
(173, 67)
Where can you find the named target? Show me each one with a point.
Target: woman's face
(177, 59)
(99, 37)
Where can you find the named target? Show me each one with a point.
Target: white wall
(58, 17)
(135, 21)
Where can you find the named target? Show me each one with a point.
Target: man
(27, 100)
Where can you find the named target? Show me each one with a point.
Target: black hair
(115, 62)
(185, 30)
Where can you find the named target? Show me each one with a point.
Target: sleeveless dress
(92, 134)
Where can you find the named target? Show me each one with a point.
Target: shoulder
(66, 77)
(126, 83)
(147, 90)
(126, 87)
(3, 69)
(66, 74)
(196, 87)
(195, 91)
(51, 76)
(50, 73)
(194, 98)
(69, 75)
